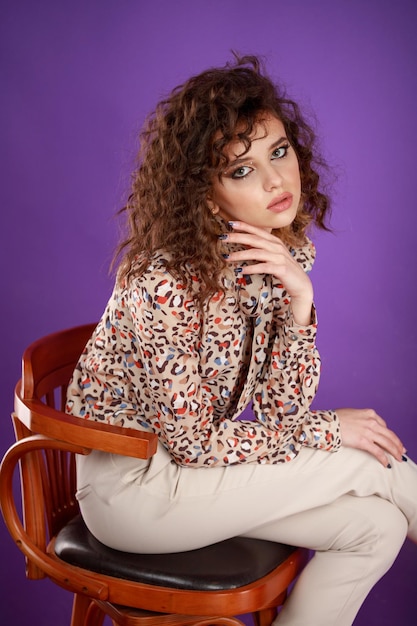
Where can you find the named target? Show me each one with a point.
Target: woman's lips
(281, 203)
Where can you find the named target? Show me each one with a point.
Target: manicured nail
(389, 466)
(238, 270)
(404, 458)
(223, 236)
(231, 224)
(225, 256)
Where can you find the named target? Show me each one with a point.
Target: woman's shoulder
(155, 282)
(141, 273)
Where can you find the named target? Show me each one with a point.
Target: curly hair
(182, 150)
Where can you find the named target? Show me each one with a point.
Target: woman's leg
(356, 541)
(352, 511)
(134, 508)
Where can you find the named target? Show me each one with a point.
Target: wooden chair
(201, 587)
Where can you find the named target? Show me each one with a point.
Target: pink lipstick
(281, 203)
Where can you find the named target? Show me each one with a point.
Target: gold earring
(213, 207)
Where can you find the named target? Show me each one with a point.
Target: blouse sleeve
(180, 408)
(283, 397)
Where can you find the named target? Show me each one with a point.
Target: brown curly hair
(182, 150)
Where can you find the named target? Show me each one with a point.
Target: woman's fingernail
(404, 458)
(231, 224)
(389, 466)
(238, 270)
(223, 236)
(225, 256)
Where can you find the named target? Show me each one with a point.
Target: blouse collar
(253, 291)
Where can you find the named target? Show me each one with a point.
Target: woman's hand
(366, 430)
(272, 257)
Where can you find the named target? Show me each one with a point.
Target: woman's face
(262, 187)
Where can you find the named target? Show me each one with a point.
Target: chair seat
(225, 565)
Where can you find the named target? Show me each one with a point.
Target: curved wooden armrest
(42, 419)
(23, 540)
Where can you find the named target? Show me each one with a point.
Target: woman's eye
(280, 152)
(241, 171)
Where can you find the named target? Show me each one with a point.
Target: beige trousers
(346, 506)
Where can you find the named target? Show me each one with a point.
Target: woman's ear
(214, 208)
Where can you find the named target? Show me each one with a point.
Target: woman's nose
(272, 178)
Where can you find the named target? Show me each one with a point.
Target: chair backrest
(48, 363)
(47, 477)
(40, 395)
(47, 441)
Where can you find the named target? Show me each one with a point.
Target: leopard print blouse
(155, 363)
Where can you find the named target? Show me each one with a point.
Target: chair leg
(265, 617)
(85, 612)
(124, 616)
(95, 616)
(80, 606)
(217, 621)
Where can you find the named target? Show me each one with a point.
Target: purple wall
(77, 81)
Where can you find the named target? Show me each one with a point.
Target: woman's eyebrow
(278, 142)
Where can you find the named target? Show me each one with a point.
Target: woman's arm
(289, 383)
(284, 395)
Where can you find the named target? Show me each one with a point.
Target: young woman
(213, 310)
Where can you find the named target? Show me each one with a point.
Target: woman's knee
(386, 530)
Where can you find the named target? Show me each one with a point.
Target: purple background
(78, 79)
